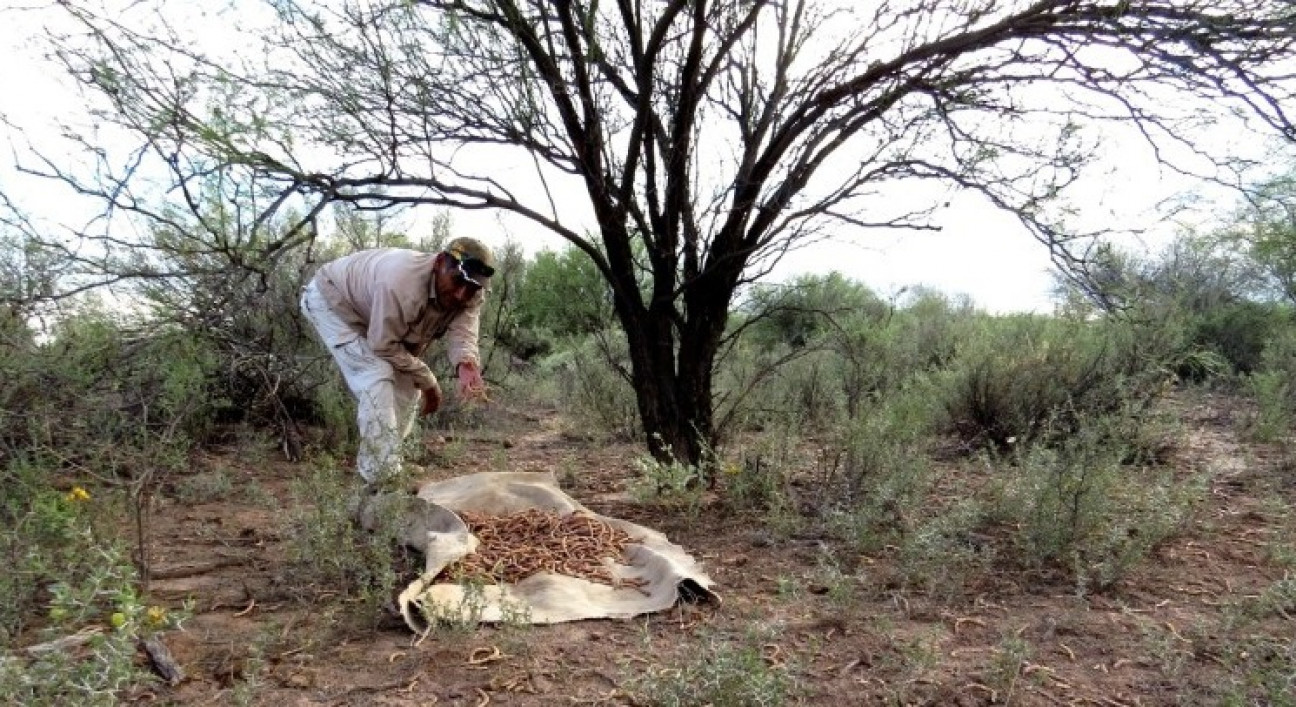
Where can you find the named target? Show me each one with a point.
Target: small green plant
(1077, 508)
(722, 674)
(1273, 394)
(789, 588)
(1005, 669)
(1167, 646)
(1281, 546)
(458, 618)
(329, 549)
(942, 554)
(906, 661)
(670, 482)
(253, 666)
(1260, 670)
(256, 494)
(499, 460)
(873, 480)
(593, 388)
(204, 487)
(1278, 599)
(755, 482)
(567, 476)
(448, 454)
(94, 613)
(830, 579)
(514, 628)
(912, 656)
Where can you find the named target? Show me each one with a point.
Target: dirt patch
(845, 634)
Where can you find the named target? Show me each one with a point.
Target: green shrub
(65, 581)
(751, 392)
(872, 479)
(883, 354)
(328, 550)
(813, 362)
(670, 483)
(562, 295)
(722, 674)
(1259, 654)
(592, 386)
(942, 552)
(805, 310)
(1078, 508)
(1260, 670)
(1273, 393)
(808, 390)
(758, 479)
(1274, 388)
(95, 389)
(1026, 378)
(43, 541)
(1239, 332)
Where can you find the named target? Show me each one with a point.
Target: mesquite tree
(707, 138)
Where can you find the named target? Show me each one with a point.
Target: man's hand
(431, 400)
(471, 385)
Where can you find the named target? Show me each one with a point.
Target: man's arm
(461, 341)
(387, 328)
(461, 337)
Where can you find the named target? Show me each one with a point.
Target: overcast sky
(979, 251)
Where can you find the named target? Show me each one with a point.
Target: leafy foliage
(563, 295)
(590, 381)
(67, 575)
(1024, 379)
(727, 674)
(1080, 509)
(1266, 229)
(1274, 387)
(807, 309)
(328, 550)
(1209, 287)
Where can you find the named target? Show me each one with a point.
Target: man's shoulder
(385, 257)
(390, 253)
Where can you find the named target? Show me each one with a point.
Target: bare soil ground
(1163, 636)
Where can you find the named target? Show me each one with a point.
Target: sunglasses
(471, 271)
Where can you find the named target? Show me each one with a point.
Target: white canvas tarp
(656, 573)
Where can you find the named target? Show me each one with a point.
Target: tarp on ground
(654, 572)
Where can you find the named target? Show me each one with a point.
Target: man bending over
(377, 311)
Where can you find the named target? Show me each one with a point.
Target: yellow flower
(117, 620)
(78, 494)
(155, 615)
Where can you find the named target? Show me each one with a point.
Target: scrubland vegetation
(905, 499)
(840, 413)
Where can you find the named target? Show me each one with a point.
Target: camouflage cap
(475, 257)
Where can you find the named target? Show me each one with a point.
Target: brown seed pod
(515, 546)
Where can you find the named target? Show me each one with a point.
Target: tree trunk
(673, 384)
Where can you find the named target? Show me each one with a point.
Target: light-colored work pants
(385, 400)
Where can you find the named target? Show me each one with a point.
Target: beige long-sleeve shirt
(387, 296)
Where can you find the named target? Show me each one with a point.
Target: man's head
(462, 269)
